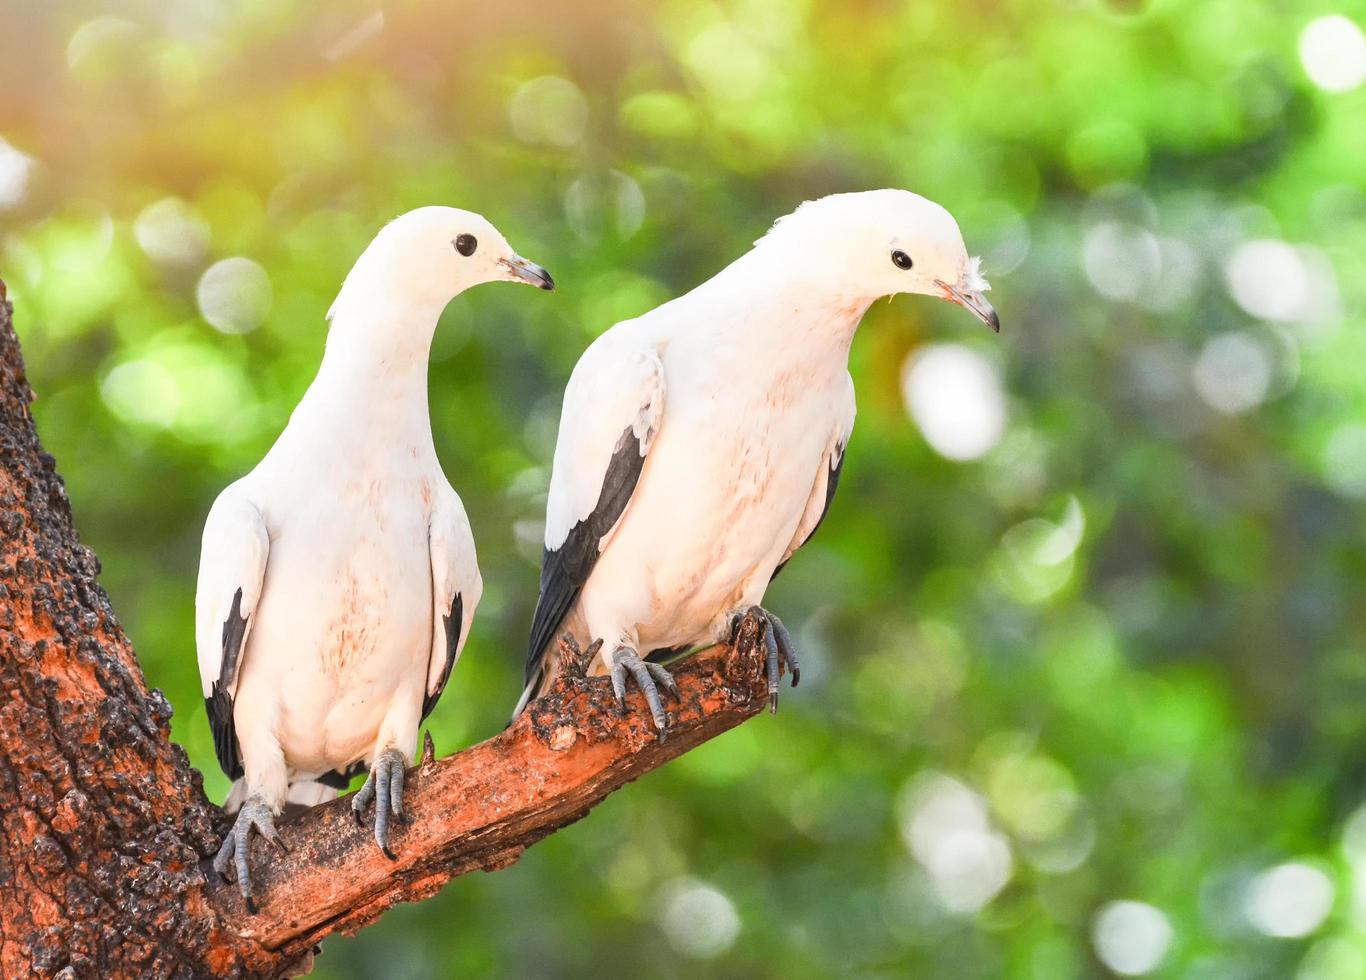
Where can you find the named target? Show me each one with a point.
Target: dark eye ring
(466, 244)
(901, 260)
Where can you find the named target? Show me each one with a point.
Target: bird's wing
(232, 571)
(456, 588)
(827, 478)
(613, 406)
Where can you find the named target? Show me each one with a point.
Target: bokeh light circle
(698, 919)
(1333, 53)
(234, 295)
(1290, 900)
(955, 397)
(549, 109)
(15, 169)
(1232, 373)
(946, 827)
(1270, 280)
(1131, 938)
(169, 231)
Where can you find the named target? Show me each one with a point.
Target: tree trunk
(103, 869)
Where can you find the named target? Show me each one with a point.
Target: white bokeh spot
(549, 109)
(142, 391)
(1131, 938)
(955, 397)
(698, 919)
(170, 232)
(1333, 53)
(611, 201)
(15, 169)
(1290, 900)
(234, 295)
(946, 827)
(1232, 373)
(1122, 261)
(1344, 460)
(1270, 280)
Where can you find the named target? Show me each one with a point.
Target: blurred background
(1084, 638)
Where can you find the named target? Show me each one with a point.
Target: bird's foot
(384, 785)
(626, 661)
(756, 628)
(255, 813)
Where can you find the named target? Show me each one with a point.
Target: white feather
(973, 278)
(617, 384)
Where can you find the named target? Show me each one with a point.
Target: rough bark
(103, 819)
(106, 827)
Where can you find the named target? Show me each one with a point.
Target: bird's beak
(522, 270)
(973, 301)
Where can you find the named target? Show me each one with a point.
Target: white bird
(338, 579)
(701, 443)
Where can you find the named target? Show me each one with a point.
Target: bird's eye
(901, 260)
(466, 244)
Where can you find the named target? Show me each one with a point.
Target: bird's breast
(345, 620)
(719, 500)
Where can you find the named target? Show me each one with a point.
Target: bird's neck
(373, 376)
(782, 310)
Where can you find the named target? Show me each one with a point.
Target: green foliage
(1119, 654)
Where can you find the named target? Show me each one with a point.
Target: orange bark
(103, 820)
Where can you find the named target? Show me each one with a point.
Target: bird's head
(432, 254)
(877, 243)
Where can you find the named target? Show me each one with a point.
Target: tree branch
(479, 809)
(104, 827)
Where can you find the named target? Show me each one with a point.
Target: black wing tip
(558, 589)
(219, 707)
(454, 622)
(565, 570)
(219, 703)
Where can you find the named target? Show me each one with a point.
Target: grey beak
(522, 270)
(972, 301)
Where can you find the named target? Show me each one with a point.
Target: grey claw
(777, 645)
(255, 814)
(770, 664)
(363, 797)
(269, 833)
(396, 792)
(384, 785)
(619, 683)
(647, 686)
(786, 649)
(223, 859)
(662, 676)
(382, 811)
(624, 661)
